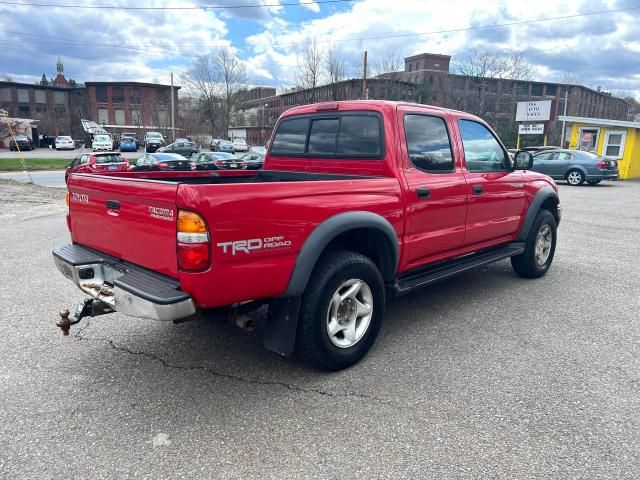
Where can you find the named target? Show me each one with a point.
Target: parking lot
(483, 376)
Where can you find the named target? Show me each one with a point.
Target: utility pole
(566, 98)
(173, 114)
(364, 78)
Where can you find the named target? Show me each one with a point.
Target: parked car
(97, 163)
(186, 149)
(253, 160)
(153, 141)
(162, 161)
(128, 144)
(102, 142)
(181, 140)
(258, 149)
(239, 145)
(133, 135)
(64, 142)
(575, 166)
(22, 142)
(223, 146)
(380, 201)
(217, 161)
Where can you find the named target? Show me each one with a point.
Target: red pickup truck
(357, 201)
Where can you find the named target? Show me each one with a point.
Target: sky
(596, 43)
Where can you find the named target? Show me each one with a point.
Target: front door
(497, 197)
(436, 188)
(558, 165)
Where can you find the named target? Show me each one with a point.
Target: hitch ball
(64, 323)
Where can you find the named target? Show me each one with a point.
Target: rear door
(558, 165)
(497, 198)
(436, 187)
(541, 162)
(134, 220)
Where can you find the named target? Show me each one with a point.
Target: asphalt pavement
(483, 376)
(43, 178)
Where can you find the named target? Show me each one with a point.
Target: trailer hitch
(90, 308)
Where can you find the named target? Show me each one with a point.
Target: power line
(194, 7)
(352, 39)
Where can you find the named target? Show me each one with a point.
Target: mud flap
(282, 325)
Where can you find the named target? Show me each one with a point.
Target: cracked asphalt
(483, 376)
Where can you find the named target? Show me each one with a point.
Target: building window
(103, 116)
(134, 95)
(411, 67)
(536, 89)
(614, 144)
(588, 139)
(119, 116)
(117, 95)
(163, 96)
(5, 95)
(136, 118)
(24, 112)
(101, 94)
(58, 98)
(23, 95)
(552, 90)
(41, 96)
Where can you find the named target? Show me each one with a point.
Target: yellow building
(617, 139)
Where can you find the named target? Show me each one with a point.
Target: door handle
(423, 193)
(477, 189)
(113, 204)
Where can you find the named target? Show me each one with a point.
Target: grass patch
(14, 164)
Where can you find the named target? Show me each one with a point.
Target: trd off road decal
(254, 244)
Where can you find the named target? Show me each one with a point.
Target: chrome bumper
(126, 288)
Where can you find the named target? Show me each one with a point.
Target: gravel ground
(483, 376)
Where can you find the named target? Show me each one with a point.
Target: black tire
(313, 343)
(593, 182)
(575, 177)
(526, 264)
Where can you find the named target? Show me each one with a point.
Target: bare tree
(489, 64)
(218, 80)
(335, 65)
(571, 78)
(310, 62)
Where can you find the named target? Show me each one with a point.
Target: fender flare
(534, 207)
(329, 229)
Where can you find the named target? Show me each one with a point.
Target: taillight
(193, 242)
(193, 166)
(602, 165)
(163, 165)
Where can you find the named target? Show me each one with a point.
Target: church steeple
(60, 67)
(60, 81)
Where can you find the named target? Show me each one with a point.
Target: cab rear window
(109, 159)
(346, 135)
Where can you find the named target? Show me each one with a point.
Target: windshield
(110, 159)
(127, 140)
(154, 135)
(225, 143)
(102, 138)
(64, 138)
(217, 156)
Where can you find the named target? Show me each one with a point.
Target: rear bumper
(604, 175)
(125, 287)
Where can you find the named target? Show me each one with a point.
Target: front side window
(428, 143)
(482, 152)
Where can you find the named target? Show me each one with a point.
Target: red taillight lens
(601, 165)
(193, 242)
(163, 165)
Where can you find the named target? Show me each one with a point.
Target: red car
(97, 163)
(357, 201)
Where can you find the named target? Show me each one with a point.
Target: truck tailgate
(133, 220)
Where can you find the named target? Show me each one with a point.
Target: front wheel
(342, 311)
(575, 177)
(540, 247)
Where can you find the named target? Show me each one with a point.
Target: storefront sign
(531, 129)
(539, 111)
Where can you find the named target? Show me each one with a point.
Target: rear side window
(428, 143)
(291, 136)
(346, 135)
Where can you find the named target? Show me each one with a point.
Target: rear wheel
(593, 182)
(342, 311)
(540, 247)
(575, 177)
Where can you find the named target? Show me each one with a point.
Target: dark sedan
(162, 161)
(21, 142)
(253, 160)
(217, 161)
(186, 149)
(575, 166)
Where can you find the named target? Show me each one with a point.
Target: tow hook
(90, 308)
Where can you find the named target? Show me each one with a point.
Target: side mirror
(523, 160)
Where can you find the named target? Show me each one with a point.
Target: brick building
(130, 104)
